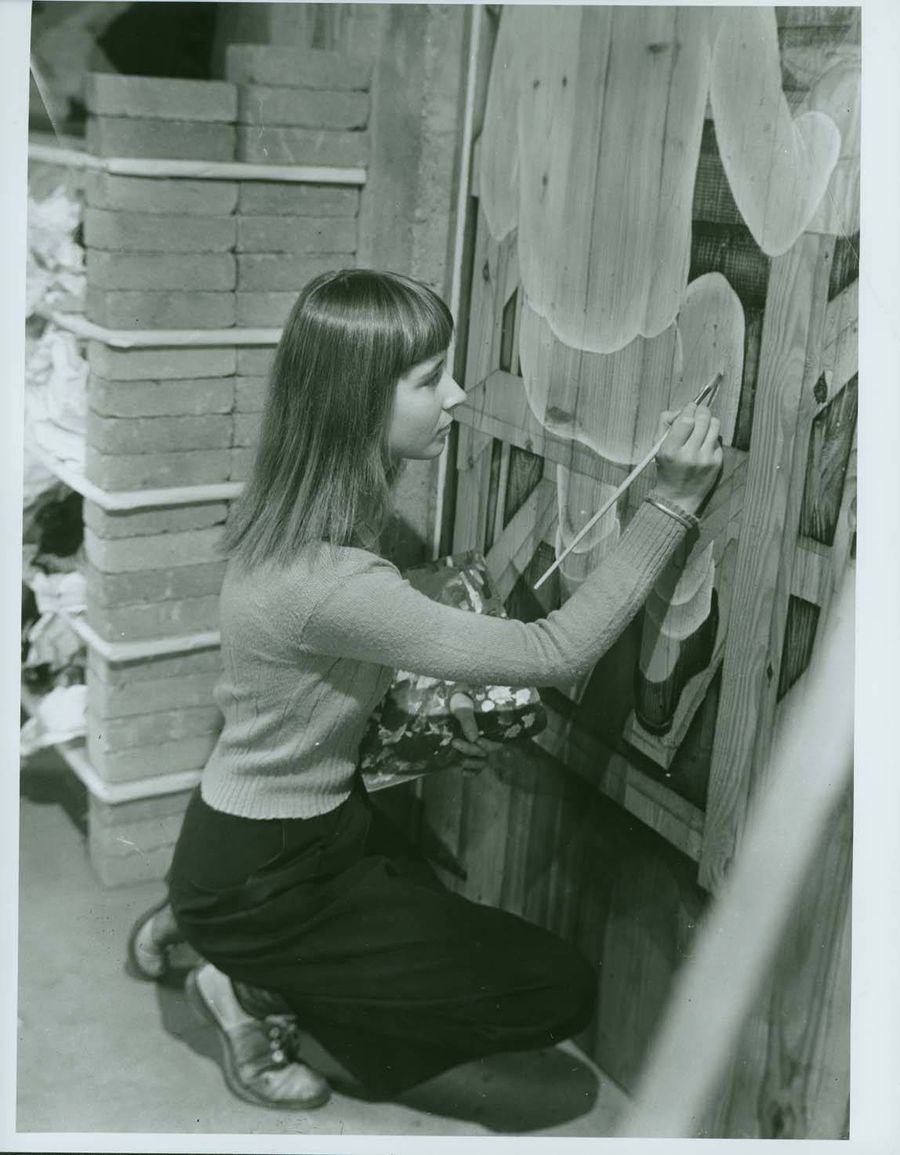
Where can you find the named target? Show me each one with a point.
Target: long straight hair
(322, 471)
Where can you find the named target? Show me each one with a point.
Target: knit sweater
(309, 650)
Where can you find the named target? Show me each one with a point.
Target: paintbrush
(706, 394)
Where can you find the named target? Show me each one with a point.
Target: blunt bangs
(426, 324)
(322, 470)
(389, 321)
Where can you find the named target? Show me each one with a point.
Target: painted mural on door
(601, 301)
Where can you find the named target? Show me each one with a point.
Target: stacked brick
(132, 842)
(287, 234)
(299, 108)
(204, 254)
(313, 110)
(152, 573)
(149, 117)
(253, 366)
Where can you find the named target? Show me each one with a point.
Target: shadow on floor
(47, 783)
(511, 1093)
(506, 1093)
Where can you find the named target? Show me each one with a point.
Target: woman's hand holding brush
(690, 458)
(688, 455)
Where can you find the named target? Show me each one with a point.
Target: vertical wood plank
(830, 443)
(513, 885)
(543, 833)
(790, 1075)
(484, 832)
(441, 814)
(799, 639)
(473, 457)
(792, 332)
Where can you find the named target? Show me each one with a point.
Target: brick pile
(310, 109)
(150, 117)
(159, 417)
(181, 253)
(287, 234)
(159, 267)
(306, 108)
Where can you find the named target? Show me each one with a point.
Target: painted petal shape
(711, 331)
(837, 94)
(777, 167)
(550, 93)
(610, 122)
(578, 499)
(498, 175)
(690, 603)
(610, 402)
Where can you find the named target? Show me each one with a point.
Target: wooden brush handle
(708, 391)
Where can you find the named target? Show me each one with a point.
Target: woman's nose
(453, 393)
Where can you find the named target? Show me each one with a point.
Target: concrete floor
(100, 1051)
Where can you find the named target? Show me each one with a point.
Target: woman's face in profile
(423, 400)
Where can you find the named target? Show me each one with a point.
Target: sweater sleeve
(375, 615)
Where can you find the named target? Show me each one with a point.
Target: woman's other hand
(690, 459)
(475, 750)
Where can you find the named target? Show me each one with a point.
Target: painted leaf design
(711, 332)
(610, 122)
(609, 402)
(590, 144)
(837, 94)
(679, 612)
(578, 498)
(777, 166)
(498, 175)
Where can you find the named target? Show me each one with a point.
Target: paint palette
(413, 728)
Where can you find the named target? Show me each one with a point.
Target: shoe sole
(237, 1087)
(137, 969)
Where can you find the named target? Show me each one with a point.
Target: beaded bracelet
(688, 520)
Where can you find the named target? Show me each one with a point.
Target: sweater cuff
(651, 538)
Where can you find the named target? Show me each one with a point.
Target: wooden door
(615, 830)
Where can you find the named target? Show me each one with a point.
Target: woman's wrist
(681, 509)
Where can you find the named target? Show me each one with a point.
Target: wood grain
(525, 473)
(785, 926)
(799, 639)
(498, 183)
(673, 818)
(811, 571)
(790, 1075)
(473, 462)
(484, 831)
(830, 442)
(793, 328)
(836, 93)
(596, 84)
(778, 166)
(441, 814)
(720, 530)
(840, 353)
(844, 265)
(498, 407)
(494, 490)
(533, 523)
(608, 402)
(753, 323)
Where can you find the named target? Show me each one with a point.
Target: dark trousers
(398, 978)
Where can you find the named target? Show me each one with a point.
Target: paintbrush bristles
(709, 392)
